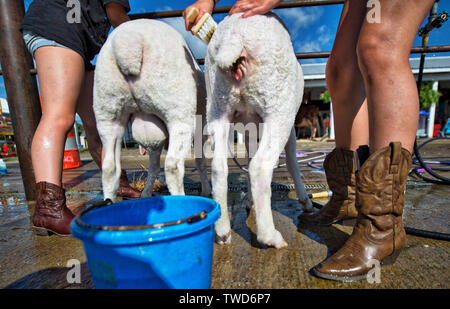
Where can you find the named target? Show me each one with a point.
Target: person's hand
(203, 6)
(253, 7)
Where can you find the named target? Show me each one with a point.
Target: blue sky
(312, 28)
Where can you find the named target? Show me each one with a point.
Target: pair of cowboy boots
(51, 215)
(374, 195)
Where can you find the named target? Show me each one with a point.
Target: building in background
(436, 70)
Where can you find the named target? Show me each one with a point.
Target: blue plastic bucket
(124, 248)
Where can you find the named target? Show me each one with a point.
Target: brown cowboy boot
(51, 214)
(125, 190)
(379, 232)
(339, 168)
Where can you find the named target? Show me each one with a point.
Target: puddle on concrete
(426, 207)
(12, 207)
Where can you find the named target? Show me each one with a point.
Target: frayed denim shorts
(34, 41)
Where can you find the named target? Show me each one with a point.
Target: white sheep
(146, 73)
(252, 75)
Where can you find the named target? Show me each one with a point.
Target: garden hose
(439, 178)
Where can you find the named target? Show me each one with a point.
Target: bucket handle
(191, 219)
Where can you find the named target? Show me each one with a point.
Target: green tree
(428, 95)
(325, 97)
(80, 128)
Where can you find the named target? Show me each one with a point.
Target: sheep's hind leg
(294, 170)
(111, 134)
(219, 130)
(200, 162)
(153, 169)
(273, 140)
(180, 137)
(250, 204)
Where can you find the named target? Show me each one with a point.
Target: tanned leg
(383, 54)
(60, 72)
(345, 82)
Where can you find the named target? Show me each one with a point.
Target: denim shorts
(34, 41)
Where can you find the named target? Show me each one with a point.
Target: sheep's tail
(128, 50)
(231, 47)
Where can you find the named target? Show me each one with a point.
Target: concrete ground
(30, 261)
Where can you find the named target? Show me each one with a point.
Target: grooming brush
(205, 27)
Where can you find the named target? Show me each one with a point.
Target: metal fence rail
(226, 9)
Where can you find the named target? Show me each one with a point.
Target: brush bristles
(205, 28)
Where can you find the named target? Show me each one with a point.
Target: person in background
(63, 38)
(376, 108)
(5, 149)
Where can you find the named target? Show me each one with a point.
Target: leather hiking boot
(125, 190)
(339, 168)
(51, 214)
(378, 234)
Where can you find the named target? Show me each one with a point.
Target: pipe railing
(226, 9)
(317, 55)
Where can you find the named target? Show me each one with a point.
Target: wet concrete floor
(30, 261)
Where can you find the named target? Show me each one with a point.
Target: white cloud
(299, 18)
(302, 24)
(308, 47)
(320, 40)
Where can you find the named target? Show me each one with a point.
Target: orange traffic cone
(71, 153)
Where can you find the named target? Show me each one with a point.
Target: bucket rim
(191, 219)
(120, 235)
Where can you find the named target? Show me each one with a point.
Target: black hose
(427, 234)
(413, 231)
(440, 179)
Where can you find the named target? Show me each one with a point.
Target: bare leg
(61, 73)
(345, 82)
(86, 112)
(383, 54)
